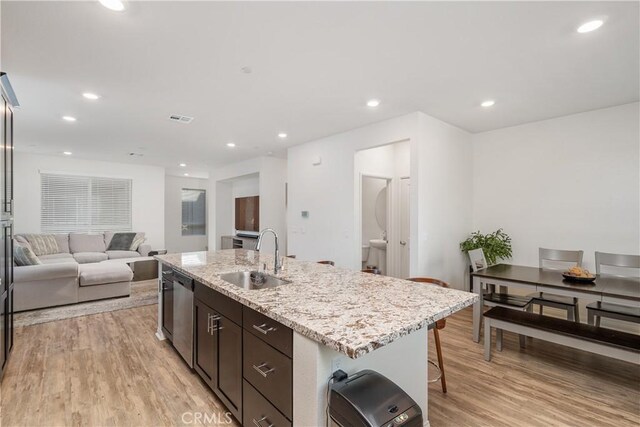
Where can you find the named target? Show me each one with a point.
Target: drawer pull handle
(257, 422)
(211, 320)
(262, 330)
(262, 372)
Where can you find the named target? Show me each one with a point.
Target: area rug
(142, 293)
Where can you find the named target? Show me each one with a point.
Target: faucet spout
(278, 263)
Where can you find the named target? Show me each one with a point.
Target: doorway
(374, 213)
(383, 199)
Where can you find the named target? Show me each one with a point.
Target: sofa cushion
(63, 242)
(104, 273)
(108, 235)
(121, 242)
(123, 254)
(86, 243)
(23, 255)
(30, 273)
(137, 241)
(57, 258)
(19, 238)
(42, 244)
(90, 257)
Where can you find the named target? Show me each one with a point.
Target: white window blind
(84, 204)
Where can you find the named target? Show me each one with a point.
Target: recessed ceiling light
(590, 26)
(186, 174)
(230, 144)
(116, 5)
(488, 103)
(67, 153)
(183, 165)
(282, 135)
(91, 96)
(373, 103)
(69, 118)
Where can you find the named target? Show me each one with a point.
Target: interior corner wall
(147, 190)
(444, 212)
(571, 182)
(174, 240)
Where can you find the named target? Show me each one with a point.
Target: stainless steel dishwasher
(183, 316)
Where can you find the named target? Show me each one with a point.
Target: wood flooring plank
(109, 369)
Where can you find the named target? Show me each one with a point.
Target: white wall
(444, 163)
(440, 158)
(568, 183)
(328, 190)
(147, 186)
(174, 240)
(272, 176)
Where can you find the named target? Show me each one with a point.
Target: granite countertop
(352, 312)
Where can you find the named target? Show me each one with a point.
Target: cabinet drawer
(269, 371)
(267, 329)
(224, 305)
(259, 412)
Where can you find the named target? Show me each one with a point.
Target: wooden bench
(607, 342)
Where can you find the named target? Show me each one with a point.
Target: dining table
(605, 288)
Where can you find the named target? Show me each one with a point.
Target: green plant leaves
(496, 246)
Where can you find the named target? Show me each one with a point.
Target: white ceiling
(314, 66)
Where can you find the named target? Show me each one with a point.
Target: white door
(405, 226)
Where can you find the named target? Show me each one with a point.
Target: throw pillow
(121, 241)
(137, 241)
(23, 255)
(43, 244)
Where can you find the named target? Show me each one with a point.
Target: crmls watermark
(205, 418)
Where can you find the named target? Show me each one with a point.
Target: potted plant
(496, 245)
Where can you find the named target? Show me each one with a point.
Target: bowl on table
(579, 275)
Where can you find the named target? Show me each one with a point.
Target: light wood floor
(109, 369)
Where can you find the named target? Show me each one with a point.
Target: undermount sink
(378, 244)
(253, 280)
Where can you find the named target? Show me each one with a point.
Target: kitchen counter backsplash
(349, 311)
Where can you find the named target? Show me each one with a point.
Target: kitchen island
(337, 319)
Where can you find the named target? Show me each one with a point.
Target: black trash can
(369, 399)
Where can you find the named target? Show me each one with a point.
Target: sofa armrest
(144, 249)
(32, 273)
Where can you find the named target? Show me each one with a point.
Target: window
(194, 212)
(84, 204)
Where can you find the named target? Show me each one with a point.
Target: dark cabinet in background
(7, 102)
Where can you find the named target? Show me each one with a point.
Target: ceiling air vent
(180, 119)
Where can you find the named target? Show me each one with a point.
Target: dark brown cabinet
(205, 344)
(230, 362)
(218, 346)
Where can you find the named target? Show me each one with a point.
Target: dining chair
(557, 259)
(599, 309)
(490, 297)
(439, 325)
(327, 263)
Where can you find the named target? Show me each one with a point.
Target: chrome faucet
(278, 263)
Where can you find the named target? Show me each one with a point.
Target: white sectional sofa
(82, 269)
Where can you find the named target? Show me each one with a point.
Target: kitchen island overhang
(340, 318)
